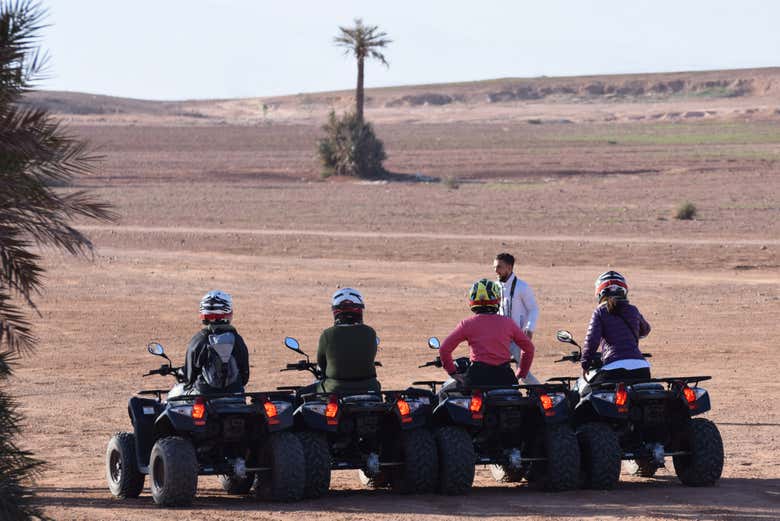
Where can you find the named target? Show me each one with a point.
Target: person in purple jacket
(615, 327)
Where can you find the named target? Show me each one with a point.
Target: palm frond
(15, 329)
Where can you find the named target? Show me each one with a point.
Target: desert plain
(228, 195)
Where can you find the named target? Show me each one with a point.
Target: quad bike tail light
(547, 404)
(690, 397)
(621, 397)
(332, 410)
(404, 409)
(475, 406)
(271, 413)
(199, 411)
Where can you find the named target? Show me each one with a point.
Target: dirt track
(711, 289)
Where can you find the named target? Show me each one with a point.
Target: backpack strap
(512, 295)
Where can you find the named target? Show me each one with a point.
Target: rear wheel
(417, 474)
(456, 460)
(286, 478)
(704, 465)
(561, 468)
(600, 456)
(317, 455)
(125, 481)
(173, 469)
(233, 484)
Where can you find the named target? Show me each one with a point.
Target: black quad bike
(521, 431)
(644, 422)
(244, 438)
(383, 435)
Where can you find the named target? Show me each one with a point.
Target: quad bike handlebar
(165, 370)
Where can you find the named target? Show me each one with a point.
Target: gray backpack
(221, 369)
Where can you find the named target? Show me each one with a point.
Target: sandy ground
(243, 210)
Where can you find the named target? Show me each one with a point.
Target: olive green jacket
(346, 356)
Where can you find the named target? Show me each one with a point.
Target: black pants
(621, 375)
(485, 374)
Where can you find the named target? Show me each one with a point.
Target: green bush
(350, 148)
(685, 211)
(452, 183)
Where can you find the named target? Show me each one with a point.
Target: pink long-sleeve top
(489, 337)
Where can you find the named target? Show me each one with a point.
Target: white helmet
(216, 306)
(347, 306)
(347, 297)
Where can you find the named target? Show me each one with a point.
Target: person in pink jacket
(489, 336)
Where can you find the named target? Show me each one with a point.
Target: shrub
(452, 183)
(350, 148)
(685, 211)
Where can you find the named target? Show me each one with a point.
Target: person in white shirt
(517, 302)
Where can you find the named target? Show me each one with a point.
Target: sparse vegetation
(35, 155)
(451, 182)
(350, 148)
(686, 211)
(363, 41)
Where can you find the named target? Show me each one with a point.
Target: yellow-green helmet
(485, 293)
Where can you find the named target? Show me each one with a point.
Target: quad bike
(521, 431)
(244, 438)
(644, 422)
(383, 435)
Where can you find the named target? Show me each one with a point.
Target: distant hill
(730, 88)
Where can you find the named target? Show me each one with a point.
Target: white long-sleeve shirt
(521, 306)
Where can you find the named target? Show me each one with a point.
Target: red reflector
(547, 403)
(198, 409)
(403, 407)
(621, 395)
(332, 410)
(690, 397)
(270, 409)
(475, 406)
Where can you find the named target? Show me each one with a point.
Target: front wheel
(561, 468)
(285, 478)
(317, 455)
(456, 460)
(417, 473)
(704, 463)
(505, 474)
(643, 468)
(173, 469)
(233, 484)
(381, 480)
(125, 481)
(600, 456)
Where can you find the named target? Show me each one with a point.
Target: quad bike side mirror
(292, 343)
(564, 336)
(434, 343)
(155, 348)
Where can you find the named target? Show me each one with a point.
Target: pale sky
(185, 49)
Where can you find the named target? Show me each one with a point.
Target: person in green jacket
(347, 350)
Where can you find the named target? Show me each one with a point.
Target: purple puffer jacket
(613, 336)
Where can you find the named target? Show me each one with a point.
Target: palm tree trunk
(359, 91)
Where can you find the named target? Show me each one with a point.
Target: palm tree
(36, 155)
(362, 41)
